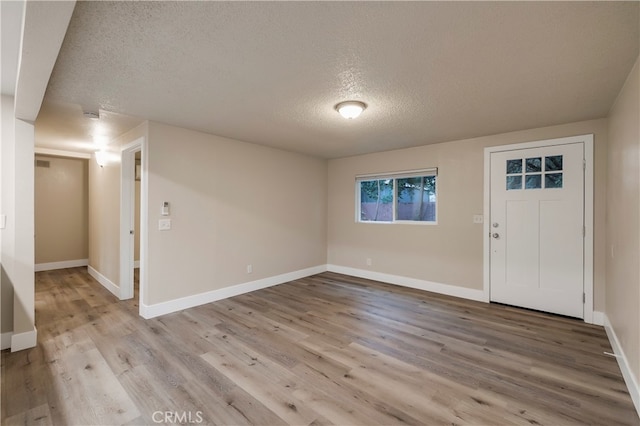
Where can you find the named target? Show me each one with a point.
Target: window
(397, 197)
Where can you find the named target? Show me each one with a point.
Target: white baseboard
(5, 340)
(163, 308)
(25, 340)
(450, 290)
(629, 378)
(136, 263)
(61, 265)
(106, 283)
(597, 318)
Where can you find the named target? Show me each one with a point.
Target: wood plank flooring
(327, 349)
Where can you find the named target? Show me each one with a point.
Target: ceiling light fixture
(350, 109)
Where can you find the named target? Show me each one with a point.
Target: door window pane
(534, 164)
(553, 180)
(553, 163)
(514, 166)
(514, 182)
(533, 182)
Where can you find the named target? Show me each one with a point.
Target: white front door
(537, 228)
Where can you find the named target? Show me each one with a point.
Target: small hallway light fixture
(350, 109)
(101, 158)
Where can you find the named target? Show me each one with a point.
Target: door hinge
(584, 164)
(584, 231)
(584, 298)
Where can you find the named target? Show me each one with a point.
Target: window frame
(394, 176)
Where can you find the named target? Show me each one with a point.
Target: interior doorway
(132, 221)
(136, 222)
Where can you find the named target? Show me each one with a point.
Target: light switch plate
(164, 224)
(477, 218)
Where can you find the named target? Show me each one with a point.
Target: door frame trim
(587, 140)
(127, 199)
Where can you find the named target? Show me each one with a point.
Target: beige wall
(104, 209)
(232, 204)
(104, 219)
(61, 209)
(623, 220)
(451, 251)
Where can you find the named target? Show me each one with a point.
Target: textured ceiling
(271, 72)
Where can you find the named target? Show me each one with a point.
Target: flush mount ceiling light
(350, 109)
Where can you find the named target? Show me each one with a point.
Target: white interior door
(537, 228)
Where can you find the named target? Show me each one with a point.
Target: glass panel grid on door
(532, 175)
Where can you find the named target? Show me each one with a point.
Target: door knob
(496, 235)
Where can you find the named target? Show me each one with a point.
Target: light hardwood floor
(327, 349)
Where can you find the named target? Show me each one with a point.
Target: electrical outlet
(369, 263)
(477, 218)
(249, 269)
